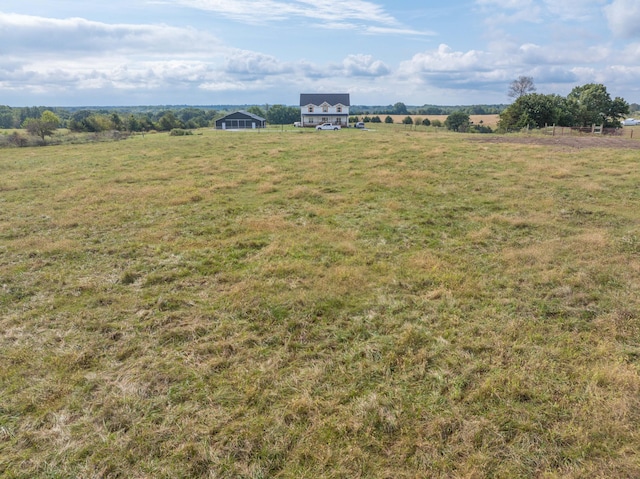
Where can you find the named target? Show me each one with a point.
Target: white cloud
(624, 18)
(444, 59)
(399, 31)
(254, 64)
(364, 65)
(579, 10)
(225, 86)
(259, 11)
(79, 54)
(26, 33)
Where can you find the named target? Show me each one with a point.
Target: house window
(325, 119)
(339, 109)
(338, 121)
(325, 109)
(310, 109)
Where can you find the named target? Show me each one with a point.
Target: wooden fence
(588, 130)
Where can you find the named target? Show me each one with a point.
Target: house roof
(320, 98)
(240, 114)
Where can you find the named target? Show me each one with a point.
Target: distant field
(303, 304)
(487, 120)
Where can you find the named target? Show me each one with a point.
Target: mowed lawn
(302, 304)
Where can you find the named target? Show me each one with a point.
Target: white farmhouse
(318, 108)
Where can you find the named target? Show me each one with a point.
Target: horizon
(237, 105)
(200, 52)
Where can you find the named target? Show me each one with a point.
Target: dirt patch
(570, 142)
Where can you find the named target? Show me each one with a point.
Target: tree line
(584, 106)
(98, 120)
(132, 120)
(400, 108)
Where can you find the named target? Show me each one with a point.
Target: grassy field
(373, 304)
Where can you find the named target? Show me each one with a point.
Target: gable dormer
(317, 99)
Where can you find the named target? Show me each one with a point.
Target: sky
(213, 52)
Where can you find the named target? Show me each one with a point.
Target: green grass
(310, 304)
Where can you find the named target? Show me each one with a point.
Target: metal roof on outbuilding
(242, 115)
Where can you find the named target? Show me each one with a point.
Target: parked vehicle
(631, 122)
(359, 124)
(327, 126)
(297, 124)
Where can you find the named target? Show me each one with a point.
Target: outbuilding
(240, 120)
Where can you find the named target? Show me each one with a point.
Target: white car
(631, 122)
(327, 126)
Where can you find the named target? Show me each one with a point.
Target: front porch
(311, 121)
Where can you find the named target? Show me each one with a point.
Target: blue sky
(202, 52)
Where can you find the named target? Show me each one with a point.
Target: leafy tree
(535, 110)
(436, 123)
(376, 119)
(399, 109)
(388, 119)
(168, 122)
(30, 112)
(94, 122)
(585, 105)
(99, 122)
(6, 117)
(430, 110)
(78, 121)
(256, 110)
(426, 122)
(521, 86)
(407, 120)
(116, 121)
(43, 126)
(283, 115)
(133, 124)
(592, 104)
(458, 121)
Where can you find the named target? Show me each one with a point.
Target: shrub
(16, 139)
(180, 132)
(481, 129)
(407, 120)
(427, 122)
(458, 121)
(388, 119)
